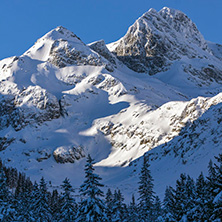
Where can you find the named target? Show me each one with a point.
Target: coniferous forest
(189, 200)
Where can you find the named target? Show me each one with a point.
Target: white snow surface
(116, 115)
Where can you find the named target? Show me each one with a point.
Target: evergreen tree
(169, 204)
(23, 201)
(133, 211)
(211, 178)
(68, 207)
(109, 204)
(20, 185)
(200, 209)
(55, 204)
(217, 191)
(157, 211)
(146, 193)
(12, 177)
(119, 208)
(217, 212)
(92, 208)
(40, 208)
(191, 196)
(180, 207)
(7, 213)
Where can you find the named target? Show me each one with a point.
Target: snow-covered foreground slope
(63, 99)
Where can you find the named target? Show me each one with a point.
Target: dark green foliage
(109, 204)
(146, 193)
(217, 190)
(118, 208)
(92, 208)
(40, 207)
(24, 201)
(55, 204)
(157, 209)
(7, 212)
(201, 209)
(133, 211)
(169, 203)
(68, 206)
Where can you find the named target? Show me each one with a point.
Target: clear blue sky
(22, 22)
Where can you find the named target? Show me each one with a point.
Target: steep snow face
(133, 134)
(157, 40)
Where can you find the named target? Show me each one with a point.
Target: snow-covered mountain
(155, 90)
(169, 41)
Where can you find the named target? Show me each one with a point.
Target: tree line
(190, 200)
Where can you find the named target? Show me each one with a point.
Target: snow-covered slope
(63, 99)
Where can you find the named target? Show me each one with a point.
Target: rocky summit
(158, 39)
(155, 91)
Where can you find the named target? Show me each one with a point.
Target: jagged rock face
(206, 75)
(157, 39)
(183, 25)
(62, 53)
(101, 48)
(68, 154)
(32, 105)
(5, 142)
(46, 105)
(141, 49)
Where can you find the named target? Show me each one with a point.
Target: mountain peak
(158, 38)
(43, 47)
(147, 16)
(150, 11)
(60, 32)
(170, 11)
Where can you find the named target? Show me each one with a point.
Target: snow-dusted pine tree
(190, 195)
(200, 209)
(133, 211)
(23, 201)
(157, 210)
(92, 208)
(40, 208)
(217, 192)
(68, 207)
(109, 204)
(181, 198)
(146, 193)
(55, 204)
(169, 203)
(6, 211)
(119, 208)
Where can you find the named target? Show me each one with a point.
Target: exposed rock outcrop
(68, 154)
